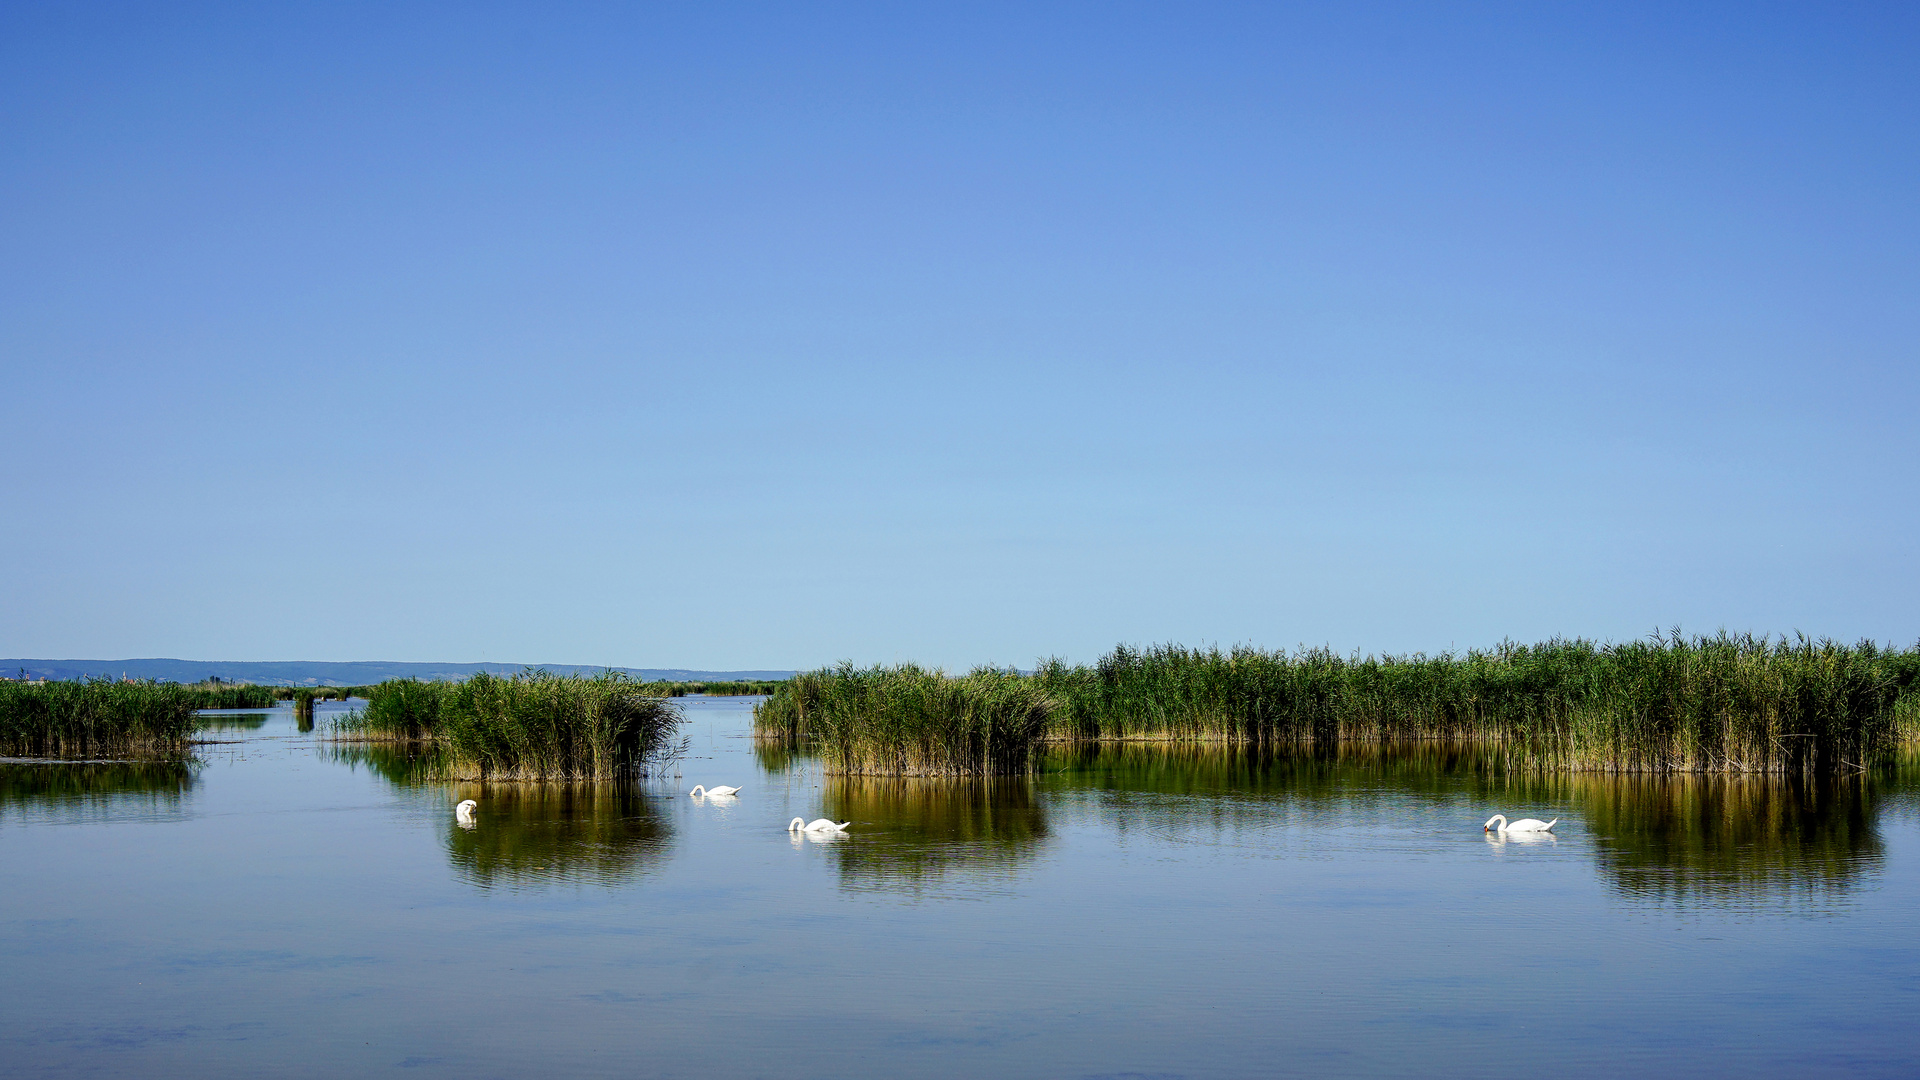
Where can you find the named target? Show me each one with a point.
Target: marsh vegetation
(1720, 704)
(910, 721)
(95, 717)
(531, 726)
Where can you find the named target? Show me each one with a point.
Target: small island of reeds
(531, 726)
(96, 717)
(1719, 704)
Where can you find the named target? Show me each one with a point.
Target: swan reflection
(1499, 841)
(800, 838)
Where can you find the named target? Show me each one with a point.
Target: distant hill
(323, 673)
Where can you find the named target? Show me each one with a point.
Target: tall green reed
(910, 721)
(94, 717)
(1725, 703)
(531, 726)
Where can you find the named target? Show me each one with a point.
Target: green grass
(94, 718)
(530, 726)
(1725, 703)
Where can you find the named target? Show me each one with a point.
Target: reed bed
(715, 688)
(1726, 703)
(211, 695)
(909, 721)
(95, 717)
(317, 693)
(530, 726)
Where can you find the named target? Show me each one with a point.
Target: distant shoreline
(333, 673)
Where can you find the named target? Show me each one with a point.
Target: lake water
(287, 906)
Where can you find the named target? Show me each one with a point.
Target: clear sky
(765, 336)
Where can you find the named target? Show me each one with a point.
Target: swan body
(1527, 824)
(718, 789)
(820, 825)
(464, 812)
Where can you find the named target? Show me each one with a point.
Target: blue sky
(765, 336)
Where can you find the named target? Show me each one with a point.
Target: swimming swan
(464, 812)
(1525, 824)
(721, 789)
(817, 825)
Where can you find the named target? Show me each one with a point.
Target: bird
(464, 812)
(719, 789)
(1523, 825)
(821, 825)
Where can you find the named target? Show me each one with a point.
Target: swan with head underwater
(1524, 825)
(817, 825)
(717, 789)
(464, 812)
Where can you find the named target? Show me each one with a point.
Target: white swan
(816, 825)
(719, 789)
(464, 812)
(1525, 824)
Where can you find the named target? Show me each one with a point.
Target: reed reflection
(68, 792)
(1685, 841)
(403, 764)
(1322, 771)
(1282, 801)
(915, 832)
(603, 833)
(235, 721)
(776, 756)
(529, 834)
(1697, 841)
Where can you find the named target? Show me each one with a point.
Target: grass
(1720, 704)
(530, 726)
(94, 718)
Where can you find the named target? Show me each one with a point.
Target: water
(291, 907)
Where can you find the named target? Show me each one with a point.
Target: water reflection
(542, 834)
(776, 756)
(55, 792)
(1679, 841)
(525, 835)
(1318, 772)
(404, 764)
(914, 832)
(231, 721)
(1690, 841)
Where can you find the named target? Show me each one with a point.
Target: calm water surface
(290, 907)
